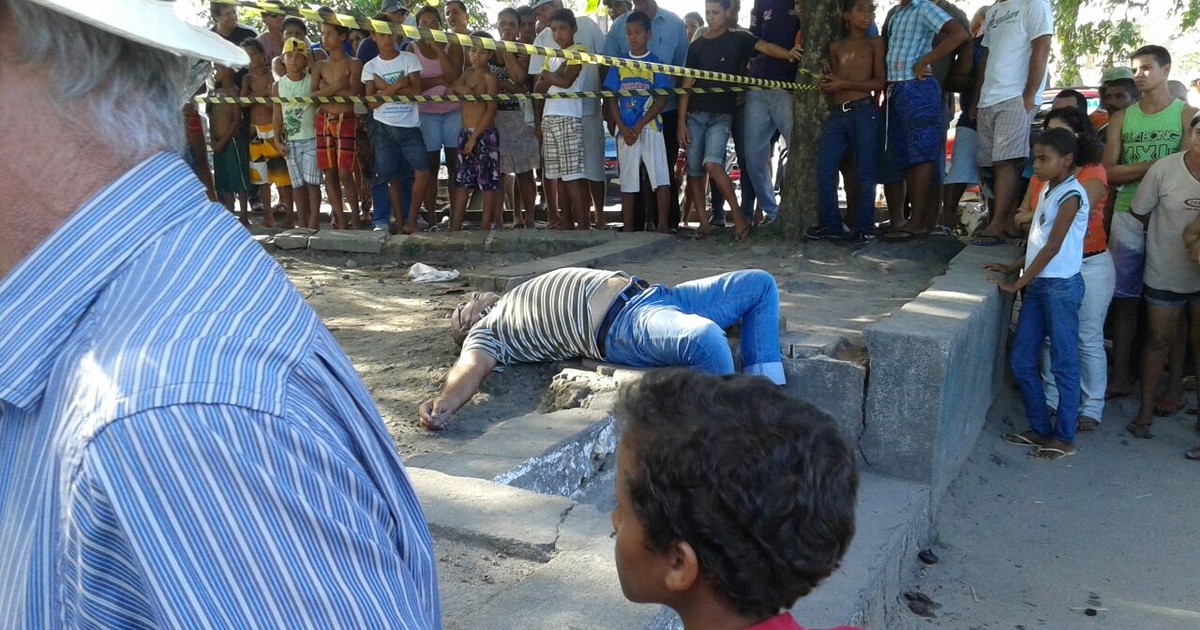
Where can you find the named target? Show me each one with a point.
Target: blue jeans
(685, 325)
(710, 135)
(854, 131)
(396, 150)
(1050, 308)
(766, 112)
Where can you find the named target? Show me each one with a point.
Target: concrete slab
(577, 589)
(296, 238)
(357, 241)
(836, 387)
(266, 240)
(506, 519)
(607, 254)
(551, 453)
(934, 367)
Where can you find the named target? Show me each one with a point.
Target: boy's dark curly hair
(760, 484)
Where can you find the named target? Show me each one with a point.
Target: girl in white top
(1053, 292)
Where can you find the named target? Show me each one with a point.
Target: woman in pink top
(440, 122)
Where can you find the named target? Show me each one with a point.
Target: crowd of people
(1111, 222)
(366, 155)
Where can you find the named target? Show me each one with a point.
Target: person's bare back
(853, 59)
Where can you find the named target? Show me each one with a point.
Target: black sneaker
(821, 233)
(858, 238)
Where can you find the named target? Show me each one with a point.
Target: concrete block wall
(934, 367)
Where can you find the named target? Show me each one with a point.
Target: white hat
(153, 23)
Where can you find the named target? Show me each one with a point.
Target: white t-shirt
(1009, 30)
(587, 33)
(1067, 261)
(572, 107)
(394, 114)
(1171, 196)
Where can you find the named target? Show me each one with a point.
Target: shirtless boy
(267, 165)
(856, 72)
(336, 124)
(478, 142)
(231, 166)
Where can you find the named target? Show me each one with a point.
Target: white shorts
(593, 147)
(964, 167)
(651, 150)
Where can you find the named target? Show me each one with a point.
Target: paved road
(1023, 542)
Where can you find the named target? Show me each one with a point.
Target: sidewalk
(1026, 543)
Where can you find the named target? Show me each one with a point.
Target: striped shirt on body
(545, 319)
(183, 443)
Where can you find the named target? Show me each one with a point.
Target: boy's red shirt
(785, 621)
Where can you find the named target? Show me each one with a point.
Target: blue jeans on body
(1050, 308)
(853, 129)
(685, 325)
(396, 152)
(766, 112)
(1099, 279)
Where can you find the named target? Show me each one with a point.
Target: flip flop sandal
(1193, 454)
(1167, 407)
(899, 236)
(1020, 439)
(987, 240)
(1050, 454)
(1087, 425)
(1139, 430)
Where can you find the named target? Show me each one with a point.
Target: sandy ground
(395, 331)
(1024, 543)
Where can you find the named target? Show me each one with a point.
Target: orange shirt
(1094, 240)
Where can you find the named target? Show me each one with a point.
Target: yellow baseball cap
(295, 45)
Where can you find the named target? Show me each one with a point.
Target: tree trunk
(821, 24)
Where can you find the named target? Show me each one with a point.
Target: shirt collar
(44, 298)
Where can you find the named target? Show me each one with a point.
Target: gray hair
(129, 94)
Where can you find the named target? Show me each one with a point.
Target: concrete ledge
(540, 452)
(833, 386)
(506, 519)
(604, 254)
(934, 366)
(360, 242)
(296, 238)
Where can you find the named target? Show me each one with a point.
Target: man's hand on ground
(433, 414)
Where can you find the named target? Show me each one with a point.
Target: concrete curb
(934, 367)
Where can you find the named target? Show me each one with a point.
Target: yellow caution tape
(469, 98)
(450, 37)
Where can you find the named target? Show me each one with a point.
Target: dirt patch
(394, 330)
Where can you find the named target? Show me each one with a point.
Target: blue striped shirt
(908, 33)
(182, 442)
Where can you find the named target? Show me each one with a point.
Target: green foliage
(1111, 40)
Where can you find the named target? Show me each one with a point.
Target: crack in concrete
(863, 411)
(562, 519)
